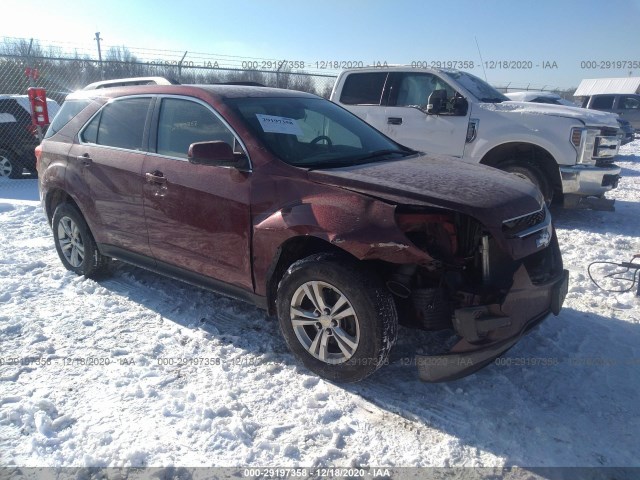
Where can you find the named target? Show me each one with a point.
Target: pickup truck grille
(524, 225)
(609, 131)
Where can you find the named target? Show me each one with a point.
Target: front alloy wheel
(336, 316)
(325, 322)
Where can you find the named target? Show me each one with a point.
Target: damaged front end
(488, 285)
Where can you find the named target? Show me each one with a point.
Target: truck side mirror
(437, 102)
(460, 105)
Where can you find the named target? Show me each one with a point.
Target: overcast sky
(512, 36)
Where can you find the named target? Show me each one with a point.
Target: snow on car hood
(589, 117)
(489, 195)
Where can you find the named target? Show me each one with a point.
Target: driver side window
(183, 122)
(413, 89)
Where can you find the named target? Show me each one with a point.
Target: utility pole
(100, 55)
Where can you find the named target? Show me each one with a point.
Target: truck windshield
(477, 87)
(313, 132)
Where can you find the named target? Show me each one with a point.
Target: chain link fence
(63, 68)
(25, 63)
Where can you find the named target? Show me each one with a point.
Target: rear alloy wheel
(532, 174)
(9, 168)
(339, 320)
(74, 242)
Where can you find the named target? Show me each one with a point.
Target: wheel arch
(290, 251)
(528, 153)
(55, 197)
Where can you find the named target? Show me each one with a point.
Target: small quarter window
(69, 109)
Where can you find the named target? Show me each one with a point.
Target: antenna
(481, 60)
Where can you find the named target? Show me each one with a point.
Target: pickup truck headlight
(584, 141)
(577, 135)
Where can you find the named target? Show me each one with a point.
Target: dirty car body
(293, 184)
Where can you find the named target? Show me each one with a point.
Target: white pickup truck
(565, 151)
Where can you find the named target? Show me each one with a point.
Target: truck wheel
(75, 245)
(338, 319)
(534, 175)
(9, 167)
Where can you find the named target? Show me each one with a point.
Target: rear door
(362, 94)
(198, 216)
(108, 159)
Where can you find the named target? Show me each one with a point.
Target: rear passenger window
(363, 88)
(19, 114)
(603, 102)
(183, 122)
(119, 124)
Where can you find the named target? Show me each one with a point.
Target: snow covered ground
(112, 391)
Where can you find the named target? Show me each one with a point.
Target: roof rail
(240, 83)
(126, 82)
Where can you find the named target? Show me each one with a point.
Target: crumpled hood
(589, 117)
(487, 194)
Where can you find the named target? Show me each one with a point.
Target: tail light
(38, 152)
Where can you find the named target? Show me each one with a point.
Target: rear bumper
(589, 180)
(488, 331)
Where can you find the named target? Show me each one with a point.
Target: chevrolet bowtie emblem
(544, 239)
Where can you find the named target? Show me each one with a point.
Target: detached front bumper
(488, 331)
(587, 180)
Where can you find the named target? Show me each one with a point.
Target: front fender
(548, 132)
(361, 226)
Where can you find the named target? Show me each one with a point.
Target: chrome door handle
(155, 177)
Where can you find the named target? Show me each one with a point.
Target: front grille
(513, 226)
(609, 132)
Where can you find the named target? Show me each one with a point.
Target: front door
(409, 125)
(629, 109)
(198, 216)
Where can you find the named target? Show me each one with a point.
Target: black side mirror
(216, 153)
(460, 105)
(437, 102)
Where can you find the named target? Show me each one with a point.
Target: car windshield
(477, 87)
(313, 132)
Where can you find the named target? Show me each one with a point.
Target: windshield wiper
(492, 100)
(353, 161)
(381, 153)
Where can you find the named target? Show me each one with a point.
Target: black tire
(532, 173)
(9, 166)
(71, 233)
(374, 323)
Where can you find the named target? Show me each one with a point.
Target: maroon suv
(288, 201)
